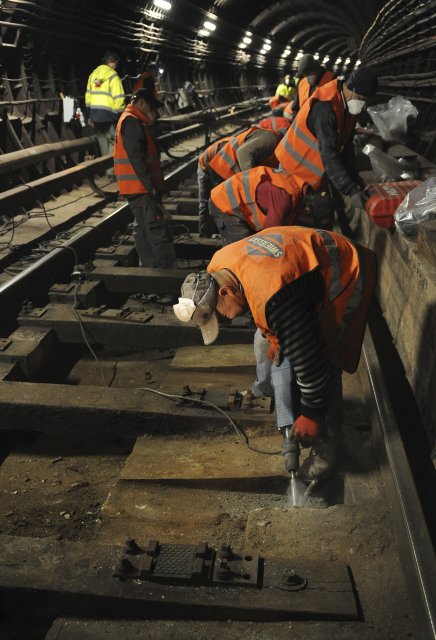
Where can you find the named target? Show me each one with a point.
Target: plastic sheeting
(391, 118)
(419, 205)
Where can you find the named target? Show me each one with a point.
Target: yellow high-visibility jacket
(105, 99)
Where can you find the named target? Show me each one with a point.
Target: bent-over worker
(309, 292)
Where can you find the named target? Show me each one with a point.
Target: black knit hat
(148, 96)
(307, 63)
(363, 81)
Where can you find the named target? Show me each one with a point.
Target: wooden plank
(196, 247)
(130, 412)
(179, 223)
(65, 213)
(140, 279)
(203, 458)
(39, 153)
(42, 188)
(238, 357)
(161, 330)
(72, 578)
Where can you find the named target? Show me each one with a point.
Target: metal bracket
(116, 314)
(33, 313)
(62, 288)
(188, 564)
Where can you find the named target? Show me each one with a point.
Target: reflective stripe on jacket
(298, 152)
(275, 124)
(303, 86)
(210, 152)
(269, 260)
(237, 195)
(104, 97)
(225, 161)
(285, 90)
(128, 181)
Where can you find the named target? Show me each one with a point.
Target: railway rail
(93, 457)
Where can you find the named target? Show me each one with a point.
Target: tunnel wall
(406, 291)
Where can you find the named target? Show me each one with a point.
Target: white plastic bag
(419, 205)
(391, 118)
(387, 168)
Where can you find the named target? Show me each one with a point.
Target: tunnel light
(347, 61)
(299, 55)
(357, 63)
(203, 32)
(267, 41)
(267, 47)
(316, 56)
(246, 39)
(242, 45)
(326, 59)
(248, 33)
(162, 4)
(209, 25)
(338, 60)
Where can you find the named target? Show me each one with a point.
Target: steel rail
(418, 557)
(17, 287)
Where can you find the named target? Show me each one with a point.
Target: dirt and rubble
(73, 487)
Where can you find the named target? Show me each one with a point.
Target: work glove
(358, 199)
(274, 353)
(306, 430)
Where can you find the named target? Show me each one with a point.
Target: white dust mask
(355, 106)
(184, 310)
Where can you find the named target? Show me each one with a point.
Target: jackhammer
(291, 452)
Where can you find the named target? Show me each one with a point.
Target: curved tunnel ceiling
(314, 26)
(397, 37)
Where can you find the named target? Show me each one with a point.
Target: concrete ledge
(406, 291)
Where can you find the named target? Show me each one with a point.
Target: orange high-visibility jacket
(274, 101)
(211, 152)
(128, 181)
(225, 161)
(303, 88)
(298, 152)
(275, 124)
(236, 196)
(267, 261)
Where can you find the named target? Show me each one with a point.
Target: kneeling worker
(309, 292)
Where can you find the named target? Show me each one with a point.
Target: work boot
(321, 461)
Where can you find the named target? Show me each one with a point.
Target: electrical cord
(82, 329)
(241, 436)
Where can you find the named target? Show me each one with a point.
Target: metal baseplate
(188, 564)
(229, 400)
(104, 313)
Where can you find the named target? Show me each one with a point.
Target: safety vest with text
(298, 152)
(128, 181)
(269, 260)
